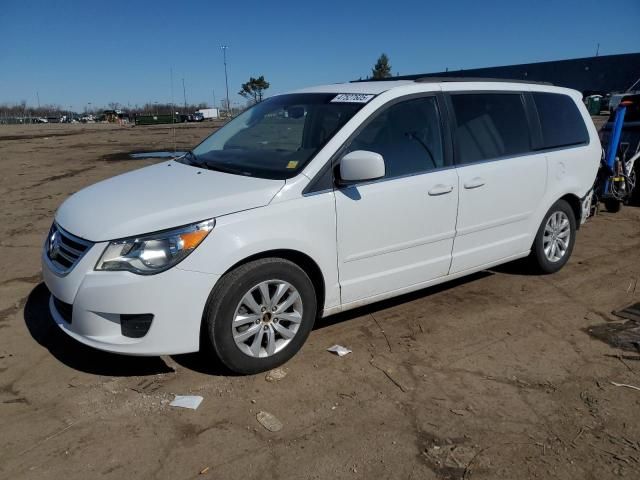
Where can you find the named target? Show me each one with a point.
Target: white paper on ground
(339, 350)
(187, 401)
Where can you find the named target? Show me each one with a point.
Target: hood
(159, 197)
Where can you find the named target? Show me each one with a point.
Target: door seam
(455, 228)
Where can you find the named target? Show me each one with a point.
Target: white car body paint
(371, 241)
(162, 196)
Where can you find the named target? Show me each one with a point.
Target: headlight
(154, 253)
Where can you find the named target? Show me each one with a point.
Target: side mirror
(360, 166)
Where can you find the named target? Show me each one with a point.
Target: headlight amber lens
(154, 253)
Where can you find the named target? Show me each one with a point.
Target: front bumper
(176, 299)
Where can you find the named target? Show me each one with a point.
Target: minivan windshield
(275, 138)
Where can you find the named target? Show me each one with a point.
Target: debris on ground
(632, 312)
(339, 350)
(392, 372)
(187, 401)
(269, 421)
(204, 470)
(275, 375)
(625, 336)
(615, 384)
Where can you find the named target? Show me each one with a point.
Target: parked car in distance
(316, 202)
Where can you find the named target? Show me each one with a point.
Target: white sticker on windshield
(352, 98)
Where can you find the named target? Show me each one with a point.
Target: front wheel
(554, 241)
(260, 315)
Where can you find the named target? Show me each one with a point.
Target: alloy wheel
(267, 318)
(557, 235)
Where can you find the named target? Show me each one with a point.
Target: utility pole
(226, 78)
(38, 95)
(173, 111)
(597, 49)
(213, 90)
(184, 94)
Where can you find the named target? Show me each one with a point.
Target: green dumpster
(594, 104)
(156, 119)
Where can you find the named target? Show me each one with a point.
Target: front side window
(275, 138)
(560, 120)
(489, 125)
(407, 135)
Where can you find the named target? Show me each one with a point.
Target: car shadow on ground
(205, 361)
(395, 301)
(89, 360)
(72, 353)
(522, 267)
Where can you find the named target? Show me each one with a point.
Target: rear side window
(489, 125)
(560, 120)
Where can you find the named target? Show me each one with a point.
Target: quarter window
(489, 125)
(560, 120)
(407, 135)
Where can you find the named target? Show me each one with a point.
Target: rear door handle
(474, 183)
(440, 189)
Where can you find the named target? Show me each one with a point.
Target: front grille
(65, 250)
(64, 309)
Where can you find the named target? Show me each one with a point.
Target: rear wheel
(554, 241)
(260, 315)
(635, 194)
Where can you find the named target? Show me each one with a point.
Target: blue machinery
(617, 177)
(614, 144)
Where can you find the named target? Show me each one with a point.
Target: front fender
(306, 225)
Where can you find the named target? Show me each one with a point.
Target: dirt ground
(493, 376)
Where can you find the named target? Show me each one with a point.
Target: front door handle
(440, 189)
(474, 183)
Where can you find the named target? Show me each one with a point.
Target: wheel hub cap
(267, 318)
(557, 236)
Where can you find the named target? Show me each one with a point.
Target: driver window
(407, 135)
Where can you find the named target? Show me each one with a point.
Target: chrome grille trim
(64, 250)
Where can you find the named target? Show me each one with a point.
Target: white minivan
(315, 202)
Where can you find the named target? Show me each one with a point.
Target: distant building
(590, 75)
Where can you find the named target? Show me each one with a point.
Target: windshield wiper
(190, 157)
(223, 168)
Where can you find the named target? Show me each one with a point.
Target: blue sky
(75, 52)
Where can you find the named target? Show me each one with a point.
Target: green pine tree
(382, 68)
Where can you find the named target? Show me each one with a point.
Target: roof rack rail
(474, 79)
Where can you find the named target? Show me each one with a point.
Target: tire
(268, 347)
(635, 194)
(546, 261)
(612, 205)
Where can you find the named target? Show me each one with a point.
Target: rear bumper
(176, 299)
